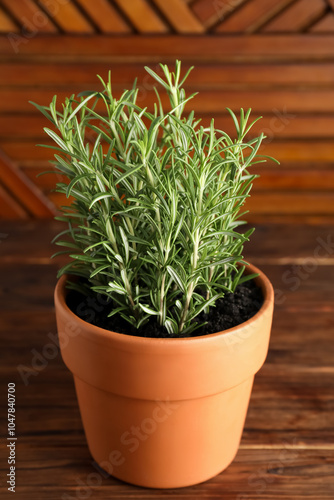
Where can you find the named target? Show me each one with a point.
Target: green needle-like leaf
(154, 201)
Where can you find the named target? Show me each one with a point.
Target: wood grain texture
(281, 102)
(30, 16)
(105, 16)
(287, 199)
(73, 76)
(290, 178)
(263, 247)
(252, 15)
(277, 124)
(285, 105)
(299, 151)
(21, 188)
(263, 204)
(317, 151)
(291, 202)
(180, 16)
(153, 49)
(214, 11)
(157, 16)
(143, 17)
(272, 178)
(10, 208)
(325, 25)
(6, 23)
(286, 452)
(68, 16)
(298, 17)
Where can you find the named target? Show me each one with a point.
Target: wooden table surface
(287, 448)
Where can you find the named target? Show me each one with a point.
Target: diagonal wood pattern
(301, 15)
(161, 16)
(325, 25)
(105, 16)
(30, 16)
(68, 16)
(252, 15)
(25, 197)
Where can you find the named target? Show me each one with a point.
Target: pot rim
(262, 280)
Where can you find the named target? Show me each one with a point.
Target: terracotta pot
(164, 413)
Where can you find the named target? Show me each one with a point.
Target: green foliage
(156, 204)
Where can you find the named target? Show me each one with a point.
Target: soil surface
(232, 310)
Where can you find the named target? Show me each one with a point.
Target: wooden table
(287, 448)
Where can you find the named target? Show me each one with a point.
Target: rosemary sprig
(157, 201)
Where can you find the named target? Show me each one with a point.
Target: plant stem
(192, 284)
(123, 268)
(162, 298)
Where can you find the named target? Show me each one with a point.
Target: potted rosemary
(160, 320)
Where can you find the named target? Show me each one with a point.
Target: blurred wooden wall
(275, 56)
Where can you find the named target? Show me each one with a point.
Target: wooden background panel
(275, 56)
(158, 16)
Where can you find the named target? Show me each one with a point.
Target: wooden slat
(212, 11)
(268, 203)
(325, 25)
(105, 16)
(142, 16)
(314, 292)
(180, 16)
(268, 244)
(284, 203)
(35, 297)
(291, 203)
(278, 126)
(286, 178)
(45, 182)
(29, 127)
(281, 178)
(62, 75)
(295, 477)
(298, 17)
(68, 16)
(24, 234)
(6, 23)
(31, 286)
(23, 189)
(279, 102)
(286, 151)
(269, 101)
(252, 16)
(293, 220)
(167, 48)
(9, 207)
(30, 16)
(300, 151)
(263, 247)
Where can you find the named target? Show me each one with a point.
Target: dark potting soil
(232, 310)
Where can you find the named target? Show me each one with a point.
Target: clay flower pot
(164, 413)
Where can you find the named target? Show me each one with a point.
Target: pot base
(147, 443)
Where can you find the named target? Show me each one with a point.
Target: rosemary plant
(157, 201)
